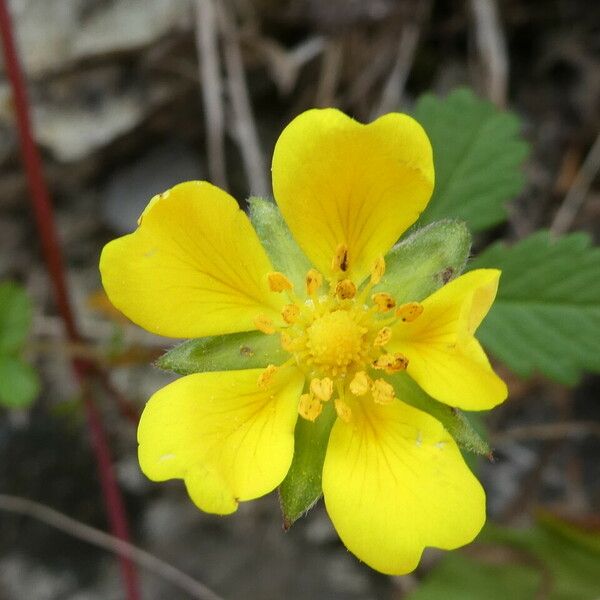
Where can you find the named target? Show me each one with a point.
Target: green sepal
(246, 350)
(455, 422)
(426, 260)
(301, 488)
(274, 234)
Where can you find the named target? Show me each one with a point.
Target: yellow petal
(194, 267)
(340, 183)
(395, 482)
(228, 439)
(444, 357)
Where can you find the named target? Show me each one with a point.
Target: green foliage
(19, 383)
(552, 560)
(457, 424)
(278, 241)
(477, 153)
(546, 317)
(301, 487)
(247, 350)
(425, 260)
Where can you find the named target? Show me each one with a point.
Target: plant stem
(42, 209)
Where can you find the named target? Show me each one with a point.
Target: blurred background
(129, 97)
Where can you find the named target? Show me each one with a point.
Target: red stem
(42, 208)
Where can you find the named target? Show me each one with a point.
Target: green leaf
(302, 486)
(278, 241)
(19, 382)
(426, 260)
(15, 317)
(455, 422)
(552, 560)
(477, 153)
(247, 350)
(546, 317)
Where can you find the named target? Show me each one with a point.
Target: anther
(309, 407)
(290, 313)
(265, 378)
(360, 384)
(344, 412)
(264, 324)
(340, 259)
(322, 388)
(410, 311)
(384, 335)
(278, 282)
(345, 289)
(391, 363)
(377, 270)
(382, 392)
(314, 280)
(383, 302)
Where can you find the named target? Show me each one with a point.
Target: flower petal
(194, 267)
(226, 438)
(395, 482)
(444, 357)
(338, 181)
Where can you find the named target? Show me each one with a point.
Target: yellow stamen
(345, 289)
(391, 363)
(309, 407)
(321, 388)
(360, 384)
(264, 324)
(290, 313)
(382, 392)
(383, 302)
(410, 311)
(377, 270)
(278, 282)
(340, 259)
(384, 335)
(265, 378)
(314, 280)
(344, 412)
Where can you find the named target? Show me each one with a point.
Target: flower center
(336, 340)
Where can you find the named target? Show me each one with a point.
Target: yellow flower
(394, 480)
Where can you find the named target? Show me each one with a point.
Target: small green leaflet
(546, 317)
(477, 152)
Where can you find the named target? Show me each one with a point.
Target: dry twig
(210, 77)
(244, 126)
(548, 431)
(60, 521)
(579, 190)
(330, 73)
(491, 45)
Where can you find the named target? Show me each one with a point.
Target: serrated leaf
(247, 350)
(286, 256)
(426, 260)
(19, 383)
(477, 154)
(551, 560)
(301, 487)
(455, 422)
(15, 317)
(546, 316)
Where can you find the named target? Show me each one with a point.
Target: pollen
(378, 270)
(391, 363)
(345, 289)
(265, 378)
(344, 412)
(340, 259)
(409, 312)
(290, 313)
(264, 324)
(278, 282)
(384, 335)
(314, 281)
(360, 384)
(382, 392)
(322, 388)
(383, 302)
(309, 407)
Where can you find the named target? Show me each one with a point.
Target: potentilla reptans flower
(393, 479)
